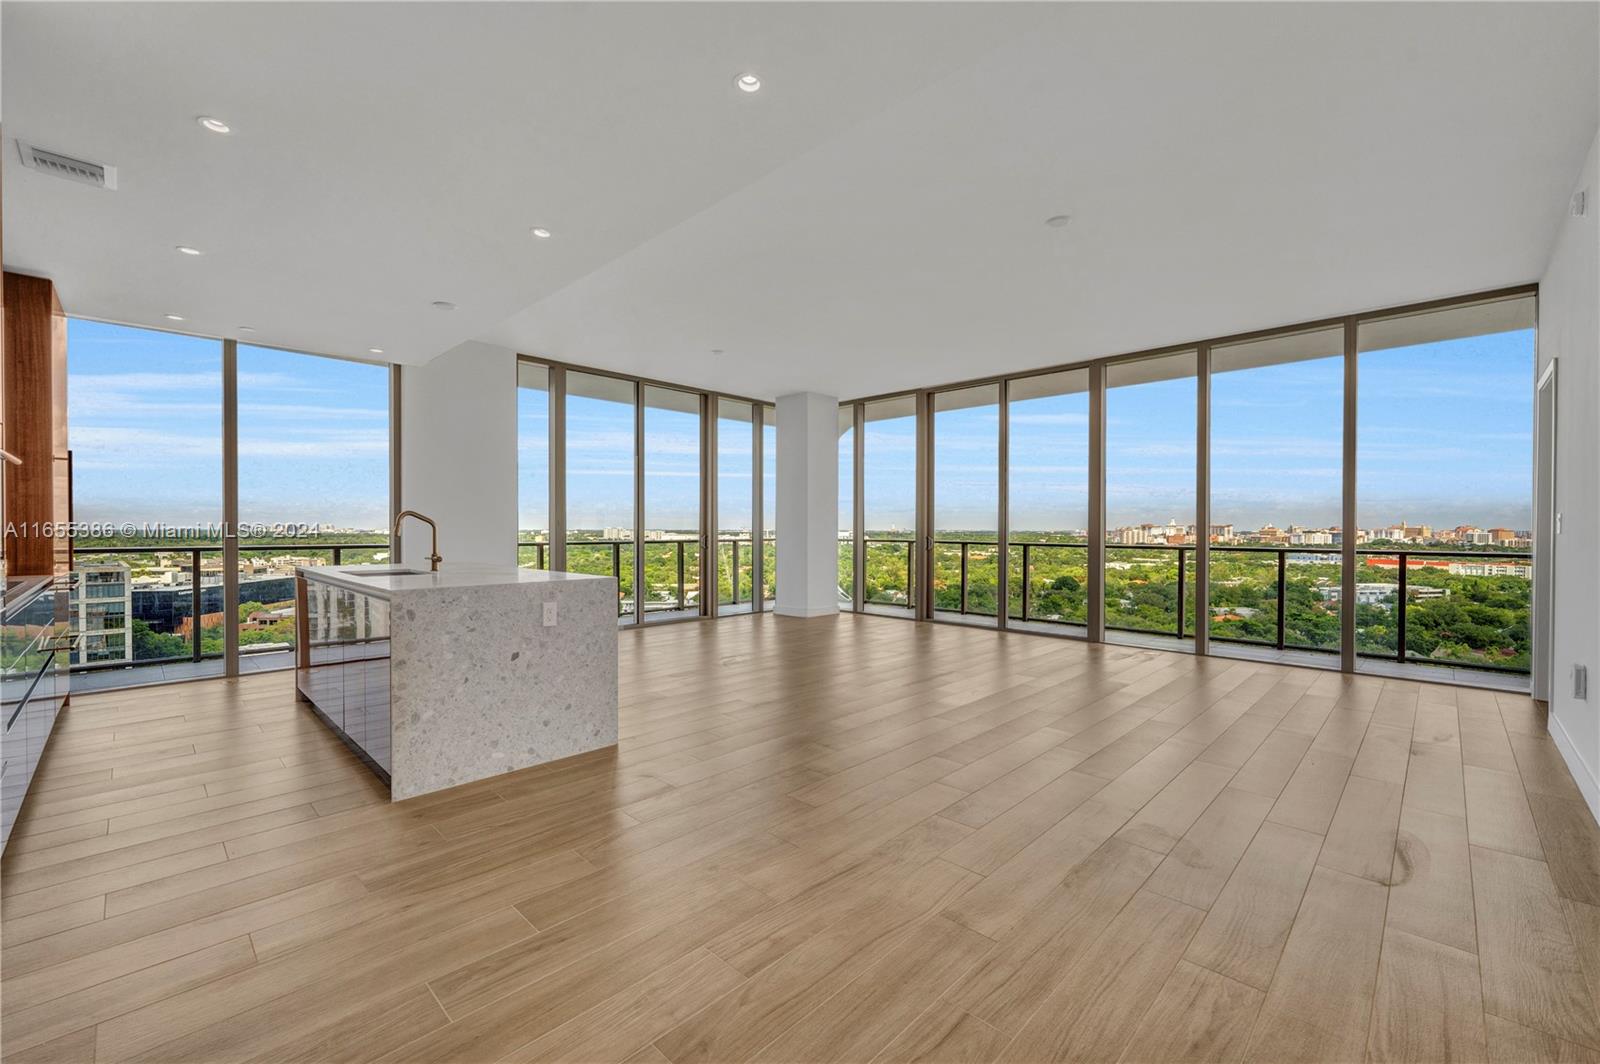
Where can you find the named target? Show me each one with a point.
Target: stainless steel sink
(389, 570)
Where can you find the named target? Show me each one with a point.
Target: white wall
(808, 505)
(1569, 330)
(458, 454)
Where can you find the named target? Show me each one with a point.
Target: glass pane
(1150, 476)
(1277, 445)
(1048, 468)
(735, 505)
(671, 502)
(1444, 485)
(145, 430)
(889, 491)
(600, 472)
(966, 501)
(533, 466)
(847, 506)
(313, 473)
(769, 504)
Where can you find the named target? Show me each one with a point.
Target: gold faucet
(403, 514)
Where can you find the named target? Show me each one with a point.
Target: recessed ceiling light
(186, 250)
(215, 125)
(246, 328)
(1058, 221)
(374, 350)
(748, 83)
(174, 317)
(443, 304)
(541, 232)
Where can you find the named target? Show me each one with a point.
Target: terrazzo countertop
(386, 581)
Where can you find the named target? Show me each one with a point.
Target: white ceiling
(872, 219)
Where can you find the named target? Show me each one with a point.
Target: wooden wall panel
(35, 424)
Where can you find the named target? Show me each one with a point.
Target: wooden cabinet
(38, 493)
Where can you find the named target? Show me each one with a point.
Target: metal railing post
(616, 574)
(1400, 611)
(1283, 582)
(338, 556)
(964, 576)
(1180, 592)
(195, 603)
(1027, 578)
(680, 574)
(911, 563)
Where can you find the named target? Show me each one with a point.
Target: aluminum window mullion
(638, 503)
(1347, 531)
(1202, 504)
(396, 384)
(1002, 608)
(923, 476)
(557, 383)
(1097, 503)
(710, 557)
(858, 459)
(230, 512)
(758, 530)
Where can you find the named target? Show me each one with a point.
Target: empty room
(799, 532)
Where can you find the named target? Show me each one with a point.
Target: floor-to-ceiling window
(533, 465)
(1047, 464)
(671, 551)
(847, 506)
(144, 420)
(1150, 449)
(1276, 475)
(313, 483)
(736, 485)
(769, 505)
(1444, 485)
(601, 444)
(889, 495)
(148, 413)
(965, 569)
(668, 489)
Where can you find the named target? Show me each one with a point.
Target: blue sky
(145, 429)
(1445, 438)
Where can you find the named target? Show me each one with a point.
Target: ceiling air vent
(80, 170)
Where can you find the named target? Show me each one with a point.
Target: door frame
(1545, 416)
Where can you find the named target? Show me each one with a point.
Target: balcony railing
(1158, 600)
(685, 589)
(196, 590)
(888, 591)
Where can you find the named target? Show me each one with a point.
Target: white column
(808, 505)
(458, 446)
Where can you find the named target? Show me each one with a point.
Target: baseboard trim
(1581, 772)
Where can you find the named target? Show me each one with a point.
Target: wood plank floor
(829, 840)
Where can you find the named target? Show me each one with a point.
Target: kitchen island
(436, 679)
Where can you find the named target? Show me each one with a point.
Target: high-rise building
(102, 613)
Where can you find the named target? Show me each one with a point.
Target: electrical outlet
(1580, 682)
(549, 614)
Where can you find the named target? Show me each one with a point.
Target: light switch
(549, 614)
